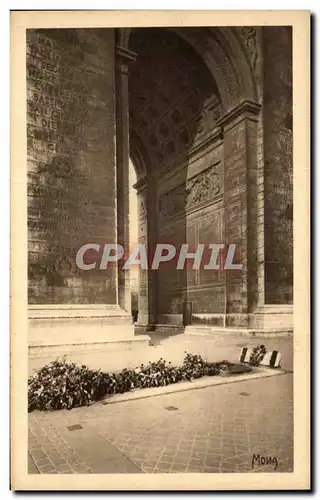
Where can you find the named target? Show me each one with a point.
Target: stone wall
(71, 162)
(190, 210)
(278, 199)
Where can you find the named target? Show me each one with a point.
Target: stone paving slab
(32, 469)
(215, 429)
(100, 455)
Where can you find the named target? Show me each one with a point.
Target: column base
(58, 330)
(273, 316)
(237, 332)
(142, 328)
(267, 317)
(170, 319)
(268, 320)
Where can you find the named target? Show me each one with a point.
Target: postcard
(160, 334)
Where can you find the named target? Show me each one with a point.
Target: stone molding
(194, 154)
(125, 55)
(246, 109)
(140, 185)
(69, 311)
(123, 58)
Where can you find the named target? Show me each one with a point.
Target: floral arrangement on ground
(65, 385)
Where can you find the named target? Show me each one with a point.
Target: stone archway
(78, 152)
(203, 167)
(230, 54)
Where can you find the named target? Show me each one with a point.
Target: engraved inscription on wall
(71, 165)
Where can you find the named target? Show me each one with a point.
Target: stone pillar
(240, 200)
(71, 165)
(152, 197)
(278, 165)
(123, 58)
(143, 316)
(74, 177)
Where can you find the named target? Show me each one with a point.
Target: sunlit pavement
(245, 426)
(172, 347)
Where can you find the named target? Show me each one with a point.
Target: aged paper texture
(160, 250)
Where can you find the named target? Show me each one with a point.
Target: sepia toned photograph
(159, 254)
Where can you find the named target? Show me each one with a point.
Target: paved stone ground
(172, 348)
(216, 429)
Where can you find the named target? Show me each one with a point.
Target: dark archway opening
(174, 104)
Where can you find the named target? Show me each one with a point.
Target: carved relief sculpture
(249, 36)
(201, 189)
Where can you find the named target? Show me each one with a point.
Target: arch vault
(207, 119)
